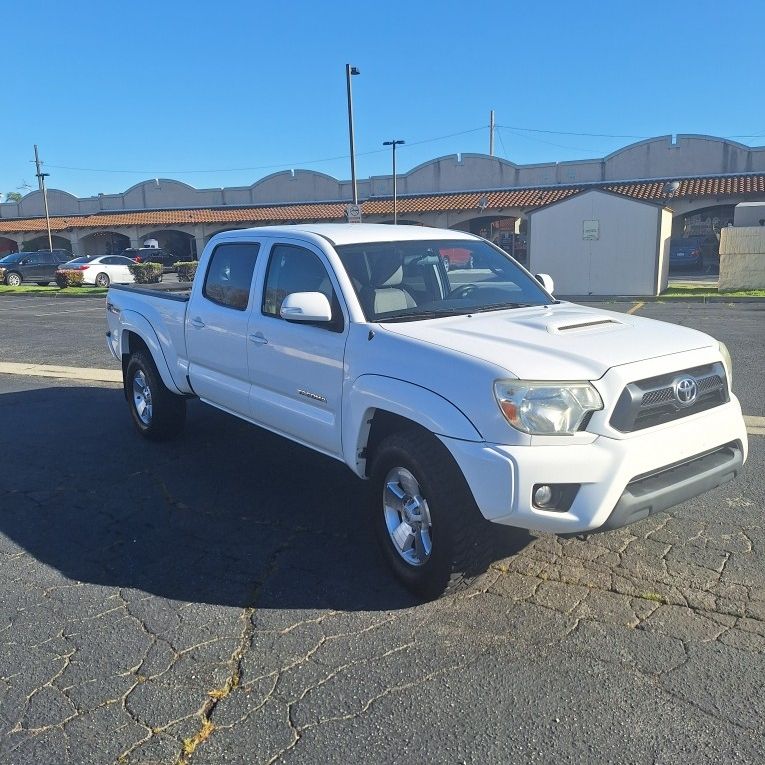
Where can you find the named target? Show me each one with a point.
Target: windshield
(410, 280)
(14, 257)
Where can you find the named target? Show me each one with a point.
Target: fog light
(542, 496)
(557, 497)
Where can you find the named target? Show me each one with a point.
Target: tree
(13, 196)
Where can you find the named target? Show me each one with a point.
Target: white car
(102, 270)
(463, 396)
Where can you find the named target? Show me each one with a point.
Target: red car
(456, 257)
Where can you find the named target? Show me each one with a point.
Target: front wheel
(425, 518)
(158, 414)
(13, 279)
(102, 280)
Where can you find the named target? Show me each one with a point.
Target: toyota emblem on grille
(686, 391)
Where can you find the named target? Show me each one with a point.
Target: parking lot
(220, 598)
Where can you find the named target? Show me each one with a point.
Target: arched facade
(41, 243)
(182, 244)
(660, 158)
(103, 243)
(7, 246)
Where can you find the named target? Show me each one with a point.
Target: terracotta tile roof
(526, 198)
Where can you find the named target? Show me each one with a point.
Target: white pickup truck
(464, 395)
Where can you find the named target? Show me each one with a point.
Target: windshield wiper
(429, 313)
(501, 306)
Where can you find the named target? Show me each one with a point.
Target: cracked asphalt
(220, 600)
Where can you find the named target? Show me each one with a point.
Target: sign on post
(353, 213)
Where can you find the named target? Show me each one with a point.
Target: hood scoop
(582, 325)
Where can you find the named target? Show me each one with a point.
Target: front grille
(652, 401)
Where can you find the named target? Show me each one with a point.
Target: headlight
(546, 408)
(725, 353)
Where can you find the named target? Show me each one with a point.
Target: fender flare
(405, 399)
(131, 321)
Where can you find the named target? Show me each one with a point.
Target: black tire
(13, 279)
(461, 548)
(168, 410)
(102, 280)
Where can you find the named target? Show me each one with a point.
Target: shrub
(69, 278)
(146, 273)
(186, 270)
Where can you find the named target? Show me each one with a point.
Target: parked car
(456, 257)
(152, 255)
(467, 399)
(686, 253)
(39, 267)
(101, 270)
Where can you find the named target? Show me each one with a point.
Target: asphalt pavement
(220, 599)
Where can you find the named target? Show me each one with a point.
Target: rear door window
(229, 274)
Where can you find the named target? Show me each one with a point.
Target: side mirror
(546, 281)
(306, 306)
(24, 262)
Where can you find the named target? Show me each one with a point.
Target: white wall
(632, 245)
(742, 258)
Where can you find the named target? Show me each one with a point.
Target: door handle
(197, 322)
(259, 338)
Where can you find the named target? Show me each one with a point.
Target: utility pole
(491, 133)
(350, 71)
(393, 144)
(41, 176)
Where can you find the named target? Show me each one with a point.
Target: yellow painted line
(64, 373)
(755, 426)
(635, 308)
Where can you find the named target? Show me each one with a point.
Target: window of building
(229, 274)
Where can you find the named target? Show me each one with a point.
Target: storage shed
(601, 243)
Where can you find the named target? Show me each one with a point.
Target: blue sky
(244, 89)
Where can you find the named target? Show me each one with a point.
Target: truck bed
(171, 291)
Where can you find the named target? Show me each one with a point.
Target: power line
(564, 132)
(512, 129)
(286, 165)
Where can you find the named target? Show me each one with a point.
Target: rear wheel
(13, 279)
(102, 280)
(157, 413)
(428, 525)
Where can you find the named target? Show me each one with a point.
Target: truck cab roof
(356, 233)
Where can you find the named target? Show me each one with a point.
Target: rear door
(216, 327)
(297, 369)
(117, 269)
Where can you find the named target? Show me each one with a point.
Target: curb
(65, 296)
(89, 374)
(660, 299)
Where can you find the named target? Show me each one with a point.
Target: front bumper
(620, 479)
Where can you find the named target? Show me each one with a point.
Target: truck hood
(557, 342)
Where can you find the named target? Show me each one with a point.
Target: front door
(216, 328)
(296, 368)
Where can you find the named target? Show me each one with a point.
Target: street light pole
(350, 71)
(41, 182)
(393, 144)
